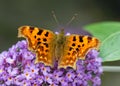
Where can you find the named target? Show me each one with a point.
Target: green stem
(111, 68)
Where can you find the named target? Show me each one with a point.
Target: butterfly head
(62, 31)
(60, 36)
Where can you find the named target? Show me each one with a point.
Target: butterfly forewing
(76, 47)
(41, 42)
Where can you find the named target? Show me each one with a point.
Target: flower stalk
(111, 68)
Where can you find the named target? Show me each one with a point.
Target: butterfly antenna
(73, 18)
(55, 18)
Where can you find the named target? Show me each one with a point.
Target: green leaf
(110, 48)
(103, 30)
(109, 35)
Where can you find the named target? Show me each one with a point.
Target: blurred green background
(15, 13)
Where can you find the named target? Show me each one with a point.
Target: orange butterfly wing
(44, 44)
(76, 47)
(41, 42)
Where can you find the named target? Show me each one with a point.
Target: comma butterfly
(49, 47)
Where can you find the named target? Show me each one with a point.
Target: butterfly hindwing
(76, 47)
(40, 41)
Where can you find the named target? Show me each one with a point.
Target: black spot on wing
(82, 45)
(68, 53)
(31, 29)
(89, 39)
(74, 52)
(35, 37)
(74, 38)
(44, 39)
(80, 38)
(38, 39)
(40, 32)
(41, 48)
(73, 44)
(38, 43)
(46, 34)
(70, 48)
(78, 45)
(46, 44)
(77, 49)
(47, 50)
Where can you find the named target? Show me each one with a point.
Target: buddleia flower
(17, 68)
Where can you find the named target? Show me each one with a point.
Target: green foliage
(110, 47)
(109, 35)
(103, 30)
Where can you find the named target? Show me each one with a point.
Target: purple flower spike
(17, 68)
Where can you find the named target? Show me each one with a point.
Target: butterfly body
(48, 46)
(59, 46)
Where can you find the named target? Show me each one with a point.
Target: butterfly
(49, 47)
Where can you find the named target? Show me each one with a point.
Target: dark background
(15, 13)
